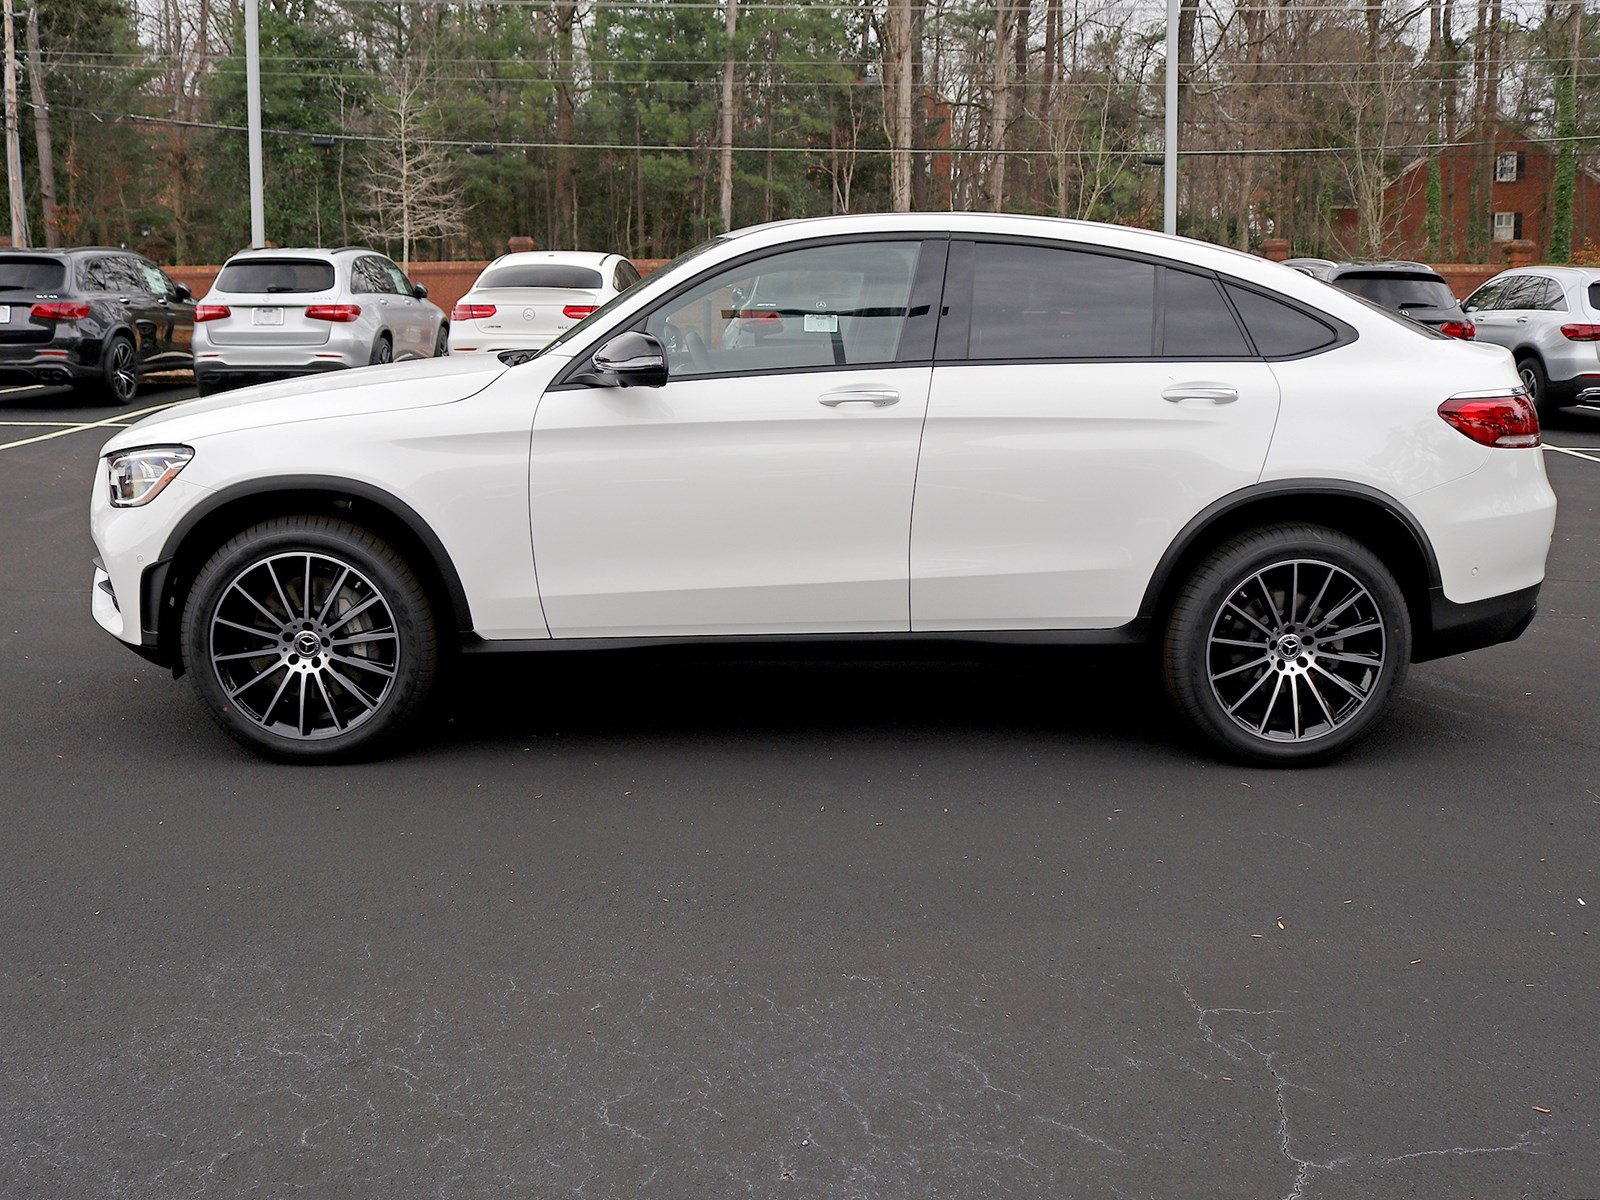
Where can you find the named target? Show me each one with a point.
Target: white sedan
(523, 301)
(897, 427)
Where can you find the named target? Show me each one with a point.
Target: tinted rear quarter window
(276, 275)
(1594, 295)
(1279, 330)
(1197, 322)
(541, 275)
(31, 274)
(1034, 302)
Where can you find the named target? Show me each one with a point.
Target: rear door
(1085, 406)
(267, 298)
(1499, 309)
(533, 302)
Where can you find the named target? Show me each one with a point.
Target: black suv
(1412, 289)
(96, 318)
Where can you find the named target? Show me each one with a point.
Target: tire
(119, 371)
(1537, 383)
(441, 344)
(382, 351)
(1235, 697)
(208, 385)
(272, 668)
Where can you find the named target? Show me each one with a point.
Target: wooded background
(439, 129)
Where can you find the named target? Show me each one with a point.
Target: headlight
(137, 476)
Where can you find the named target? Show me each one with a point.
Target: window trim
(582, 364)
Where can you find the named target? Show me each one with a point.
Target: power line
(819, 151)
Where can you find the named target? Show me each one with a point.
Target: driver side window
(821, 306)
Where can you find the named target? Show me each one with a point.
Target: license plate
(5, 314)
(269, 316)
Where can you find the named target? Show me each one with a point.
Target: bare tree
(410, 191)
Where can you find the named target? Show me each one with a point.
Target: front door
(1084, 408)
(767, 487)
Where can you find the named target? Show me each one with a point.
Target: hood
(335, 394)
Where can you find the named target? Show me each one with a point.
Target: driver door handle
(878, 397)
(1217, 393)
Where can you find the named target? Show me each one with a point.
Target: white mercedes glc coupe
(939, 427)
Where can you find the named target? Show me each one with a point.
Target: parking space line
(120, 418)
(22, 387)
(55, 424)
(1547, 446)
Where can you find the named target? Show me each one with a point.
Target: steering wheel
(687, 346)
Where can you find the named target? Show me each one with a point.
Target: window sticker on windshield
(822, 322)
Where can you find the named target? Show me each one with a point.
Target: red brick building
(1516, 170)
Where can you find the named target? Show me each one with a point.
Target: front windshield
(599, 315)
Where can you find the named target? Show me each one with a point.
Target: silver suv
(276, 313)
(1549, 318)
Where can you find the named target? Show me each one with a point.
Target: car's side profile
(890, 427)
(97, 318)
(524, 300)
(280, 313)
(1549, 318)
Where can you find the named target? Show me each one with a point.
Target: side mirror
(632, 360)
(420, 291)
(181, 290)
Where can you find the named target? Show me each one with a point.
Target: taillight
(341, 313)
(211, 312)
(61, 310)
(578, 312)
(1465, 330)
(471, 312)
(1581, 333)
(1509, 420)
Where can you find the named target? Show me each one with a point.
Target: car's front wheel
(1286, 644)
(311, 639)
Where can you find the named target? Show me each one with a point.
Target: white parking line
(120, 418)
(55, 424)
(1574, 453)
(25, 387)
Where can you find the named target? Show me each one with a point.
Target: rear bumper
(260, 374)
(49, 362)
(1458, 628)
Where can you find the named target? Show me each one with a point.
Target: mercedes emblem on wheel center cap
(306, 644)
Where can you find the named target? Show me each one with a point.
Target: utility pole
(41, 132)
(19, 212)
(727, 119)
(252, 78)
(1169, 204)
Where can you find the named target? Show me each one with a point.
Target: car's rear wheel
(1286, 644)
(311, 639)
(1537, 384)
(118, 382)
(382, 351)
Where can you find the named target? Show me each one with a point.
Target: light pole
(1169, 205)
(252, 83)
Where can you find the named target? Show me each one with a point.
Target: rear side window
(1035, 302)
(540, 275)
(1279, 330)
(1397, 291)
(31, 274)
(1196, 320)
(1551, 298)
(276, 275)
(1594, 295)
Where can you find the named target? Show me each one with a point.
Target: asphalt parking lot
(641, 926)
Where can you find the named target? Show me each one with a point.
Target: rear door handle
(1216, 393)
(878, 397)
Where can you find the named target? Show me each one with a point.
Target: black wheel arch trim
(155, 581)
(1217, 510)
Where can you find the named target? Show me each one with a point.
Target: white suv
(937, 427)
(277, 313)
(1549, 318)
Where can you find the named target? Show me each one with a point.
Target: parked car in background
(277, 313)
(1413, 289)
(97, 318)
(1549, 318)
(522, 301)
(946, 427)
